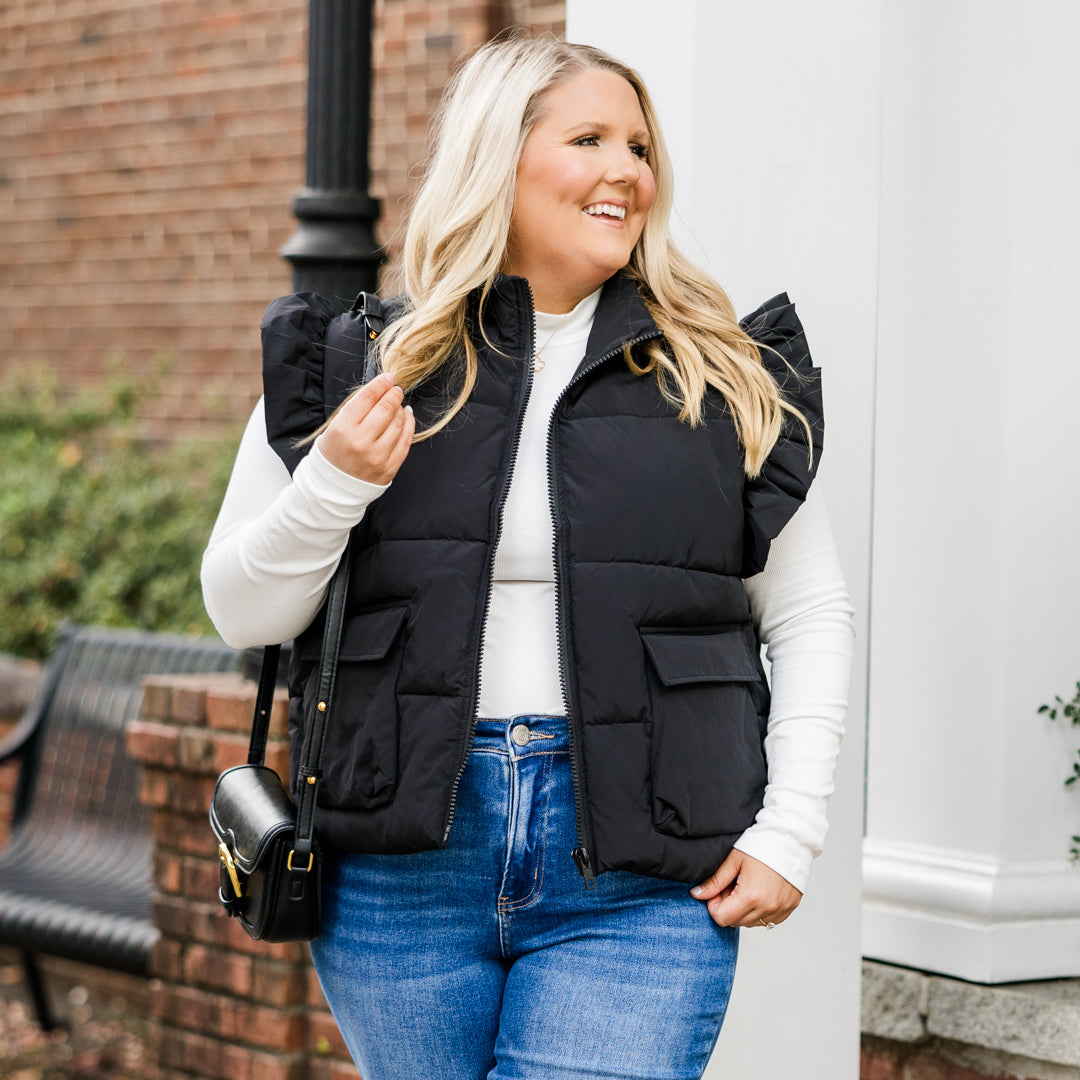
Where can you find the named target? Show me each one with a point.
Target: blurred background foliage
(97, 525)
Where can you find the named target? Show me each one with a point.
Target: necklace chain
(538, 363)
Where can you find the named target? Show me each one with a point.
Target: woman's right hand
(370, 434)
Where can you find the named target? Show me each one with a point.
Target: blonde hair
(458, 230)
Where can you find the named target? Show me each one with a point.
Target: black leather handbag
(271, 866)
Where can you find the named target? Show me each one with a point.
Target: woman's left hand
(746, 892)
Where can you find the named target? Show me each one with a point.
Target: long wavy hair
(456, 239)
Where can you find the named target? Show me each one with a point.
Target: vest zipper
(581, 856)
(500, 503)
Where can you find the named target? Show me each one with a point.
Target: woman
(551, 719)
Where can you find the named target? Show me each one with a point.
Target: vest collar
(621, 317)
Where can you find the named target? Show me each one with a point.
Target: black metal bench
(76, 877)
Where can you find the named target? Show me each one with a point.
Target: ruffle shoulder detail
(771, 498)
(293, 335)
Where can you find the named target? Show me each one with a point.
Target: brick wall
(149, 150)
(882, 1059)
(416, 46)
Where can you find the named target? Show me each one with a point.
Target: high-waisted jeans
(490, 958)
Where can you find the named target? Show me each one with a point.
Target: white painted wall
(976, 582)
(771, 111)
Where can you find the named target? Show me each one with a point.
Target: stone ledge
(1037, 1021)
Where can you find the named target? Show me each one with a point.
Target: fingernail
(697, 890)
(408, 408)
(386, 376)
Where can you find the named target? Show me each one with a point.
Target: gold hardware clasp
(230, 866)
(310, 861)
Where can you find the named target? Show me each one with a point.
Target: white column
(772, 115)
(976, 589)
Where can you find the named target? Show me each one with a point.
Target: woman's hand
(370, 434)
(746, 892)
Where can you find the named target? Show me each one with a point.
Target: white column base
(971, 917)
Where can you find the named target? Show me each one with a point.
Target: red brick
(166, 960)
(879, 1063)
(231, 708)
(279, 714)
(218, 970)
(236, 1062)
(157, 697)
(189, 703)
(276, 1066)
(167, 871)
(172, 1048)
(259, 1025)
(204, 1056)
(155, 788)
(329, 1069)
(190, 795)
(279, 984)
(200, 878)
(315, 997)
(324, 1037)
(196, 750)
(929, 1066)
(189, 1008)
(277, 757)
(186, 833)
(180, 918)
(153, 743)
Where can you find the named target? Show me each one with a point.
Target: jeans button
(520, 734)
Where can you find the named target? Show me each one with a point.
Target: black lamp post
(333, 251)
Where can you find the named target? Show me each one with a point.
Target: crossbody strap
(369, 308)
(264, 703)
(310, 772)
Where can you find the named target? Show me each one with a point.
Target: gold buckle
(310, 861)
(230, 866)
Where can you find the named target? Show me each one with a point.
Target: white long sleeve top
(278, 540)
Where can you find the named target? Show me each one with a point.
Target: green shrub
(95, 525)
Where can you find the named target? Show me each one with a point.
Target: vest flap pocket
(707, 709)
(369, 635)
(360, 761)
(678, 657)
(366, 636)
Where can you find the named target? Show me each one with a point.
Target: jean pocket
(705, 730)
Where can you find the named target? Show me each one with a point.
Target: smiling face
(584, 188)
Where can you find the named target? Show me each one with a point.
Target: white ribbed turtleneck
(519, 667)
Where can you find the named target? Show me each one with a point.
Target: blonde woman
(556, 785)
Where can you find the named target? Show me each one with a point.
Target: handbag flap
(249, 810)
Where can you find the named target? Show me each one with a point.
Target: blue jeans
(490, 958)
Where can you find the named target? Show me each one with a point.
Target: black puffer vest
(655, 525)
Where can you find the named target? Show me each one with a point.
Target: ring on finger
(767, 925)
